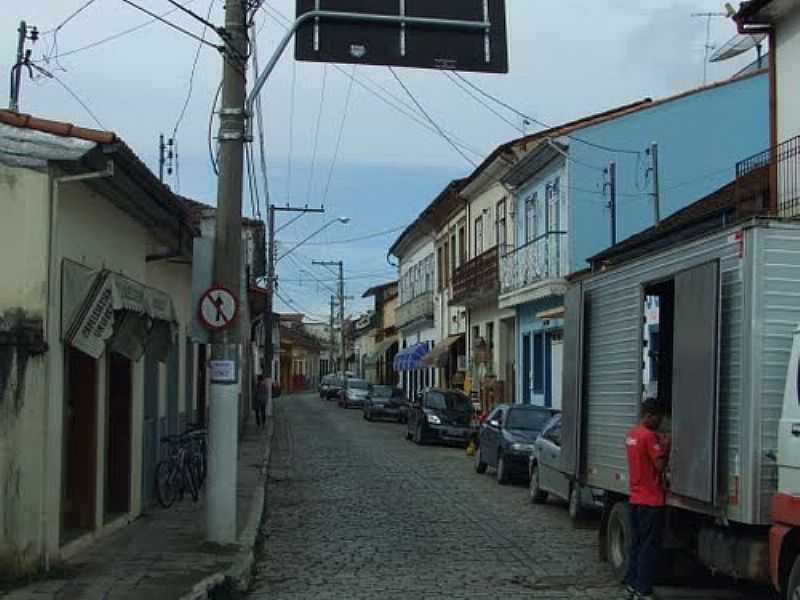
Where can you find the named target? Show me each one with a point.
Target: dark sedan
(384, 401)
(440, 416)
(507, 437)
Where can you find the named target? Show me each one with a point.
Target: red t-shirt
(644, 481)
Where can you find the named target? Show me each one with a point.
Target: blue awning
(408, 359)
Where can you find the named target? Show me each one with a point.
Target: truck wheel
(793, 585)
(480, 466)
(537, 494)
(618, 539)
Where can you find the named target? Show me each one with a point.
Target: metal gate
(150, 441)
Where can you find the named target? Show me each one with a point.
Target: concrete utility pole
(656, 190)
(223, 438)
(333, 334)
(161, 159)
(23, 60)
(611, 171)
(340, 293)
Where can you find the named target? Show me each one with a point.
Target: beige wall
(788, 61)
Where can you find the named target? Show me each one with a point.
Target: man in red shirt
(647, 453)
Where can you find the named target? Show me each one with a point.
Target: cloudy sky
(567, 59)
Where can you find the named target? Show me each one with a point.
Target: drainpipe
(52, 277)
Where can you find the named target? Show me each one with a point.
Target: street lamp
(342, 220)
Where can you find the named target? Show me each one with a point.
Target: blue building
(562, 190)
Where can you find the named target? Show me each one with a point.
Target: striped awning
(409, 358)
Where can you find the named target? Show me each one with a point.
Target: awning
(114, 310)
(440, 355)
(409, 358)
(552, 313)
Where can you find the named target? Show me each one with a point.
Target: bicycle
(179, 472)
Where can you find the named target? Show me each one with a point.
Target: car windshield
(357, 384)
(533, 420)
(383, 391)
(448, 401)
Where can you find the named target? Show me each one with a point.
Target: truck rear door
(695, 404)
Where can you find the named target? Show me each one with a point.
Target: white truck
(722, 354)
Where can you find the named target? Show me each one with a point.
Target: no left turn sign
(218, 309)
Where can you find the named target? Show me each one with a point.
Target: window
(479, 236)
(530, 217)
(440, 267)
(500, 224)
(490, 337)
(462, 244)
(453, 264)
(538, 363)
(446, 263)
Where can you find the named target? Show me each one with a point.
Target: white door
(557, 356)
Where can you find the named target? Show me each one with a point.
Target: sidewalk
(163, 554)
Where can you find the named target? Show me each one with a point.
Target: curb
(234, 581)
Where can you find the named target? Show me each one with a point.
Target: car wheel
(480, 466)
(409, 436)
(576, 510)
(502, 469)
(536, 493)
(364, 415)
(419, 437)
(618, 538)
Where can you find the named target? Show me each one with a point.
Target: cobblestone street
(355, 511)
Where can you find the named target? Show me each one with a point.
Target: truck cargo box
(727, 306)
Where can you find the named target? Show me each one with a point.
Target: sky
(567, 59)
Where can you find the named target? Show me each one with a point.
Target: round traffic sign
(218, 308)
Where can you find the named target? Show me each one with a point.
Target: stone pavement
(162, 554)
(356, 512)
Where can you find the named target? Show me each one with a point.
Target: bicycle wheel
(198, 475)
(191, 484)
(166, 490)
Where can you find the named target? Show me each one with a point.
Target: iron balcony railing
(542, 258)
(477, 279)
(417, 309)
(783, 166)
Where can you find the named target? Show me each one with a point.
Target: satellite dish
(738, 44)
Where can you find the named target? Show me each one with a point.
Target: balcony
(477, 280)
(540, 260)
(416, 310)
(777, 167)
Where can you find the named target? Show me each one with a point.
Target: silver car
(547, 477)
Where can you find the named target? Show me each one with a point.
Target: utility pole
(611, 171)
(23, 60)
(340, 293)
(225, 371)
(161, 159)
(653, 151)
(269, 324)
(333, 333)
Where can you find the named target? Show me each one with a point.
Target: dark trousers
(261, 413)
(647, 523)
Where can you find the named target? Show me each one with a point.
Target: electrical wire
(71, 92)
(170, 24)
(182, 113)
(538, 121)
(339, 136)
(112, 37)
(384, 95)
(74, 14)
(321, 110)
(477, 99)
(262, 153)
(367, 236)
(291, 132)
(430, 119)
(205, 22)
(211, 154)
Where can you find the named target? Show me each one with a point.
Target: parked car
(440, 416)
(353, 393)
(384, 401)
(547, 478)
(506, 439)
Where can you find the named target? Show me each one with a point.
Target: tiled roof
(379, 288)
(59, 128)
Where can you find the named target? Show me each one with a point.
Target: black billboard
(410, 45)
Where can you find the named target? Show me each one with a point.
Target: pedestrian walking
(260, 405)
(647, 453)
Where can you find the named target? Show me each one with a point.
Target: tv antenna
(708, 45)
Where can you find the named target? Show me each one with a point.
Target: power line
(367, 236)
(205, 22)
(477, 99)
(74, 14)
(113, 36)
(211, 155)
(72, 93)
(291, 133)
(191, 74)
(339, 136)
(171, 24)
(316, 133)
(430, 119)
(538, 121)
(262, 153)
